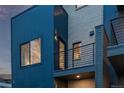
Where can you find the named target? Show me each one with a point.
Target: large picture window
(76, 51)
(31, 52)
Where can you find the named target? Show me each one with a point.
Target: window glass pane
(25, 55)
(35, 51)
(61, 55)
(77, 51)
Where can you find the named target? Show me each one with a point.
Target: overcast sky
(6, 12)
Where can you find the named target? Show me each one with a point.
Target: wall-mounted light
(77, 76)
(56, 36)
(91, 33)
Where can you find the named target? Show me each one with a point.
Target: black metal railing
(75, 57)
(117, 26)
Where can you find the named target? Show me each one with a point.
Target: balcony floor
(115, 50)
(74, 71)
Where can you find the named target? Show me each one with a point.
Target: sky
(6, 12)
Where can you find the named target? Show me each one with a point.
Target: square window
(31, 52)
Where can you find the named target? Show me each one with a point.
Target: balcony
(117, 41)
(75, 58)
(116, 48)
(118, 29)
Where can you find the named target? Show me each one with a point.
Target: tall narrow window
(76, 51)
(61, 55)
(31, 52)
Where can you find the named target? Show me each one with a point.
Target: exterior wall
(106, 76)
(99, 56)
(61, 29)
(110, 12)
(33, 23)
(61, 24)
(61, 83)
(39, 23)
(121, 80)
(80, 23)
(84, 83)
(106, 62)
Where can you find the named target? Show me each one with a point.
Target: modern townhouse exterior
(70, 46)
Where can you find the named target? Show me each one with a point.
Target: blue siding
(99, 56)
(110, 12)
(40, 22)
(61, 27)
(37, 22)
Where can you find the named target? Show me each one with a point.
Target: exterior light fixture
(77, 76)
(56, 36)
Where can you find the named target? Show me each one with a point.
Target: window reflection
(61, 55)
(76, 51)
(25, 54)
(31, 52)
(35, 51)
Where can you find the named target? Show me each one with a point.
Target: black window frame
(61, 40)
(29, 42)
(73, 51)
